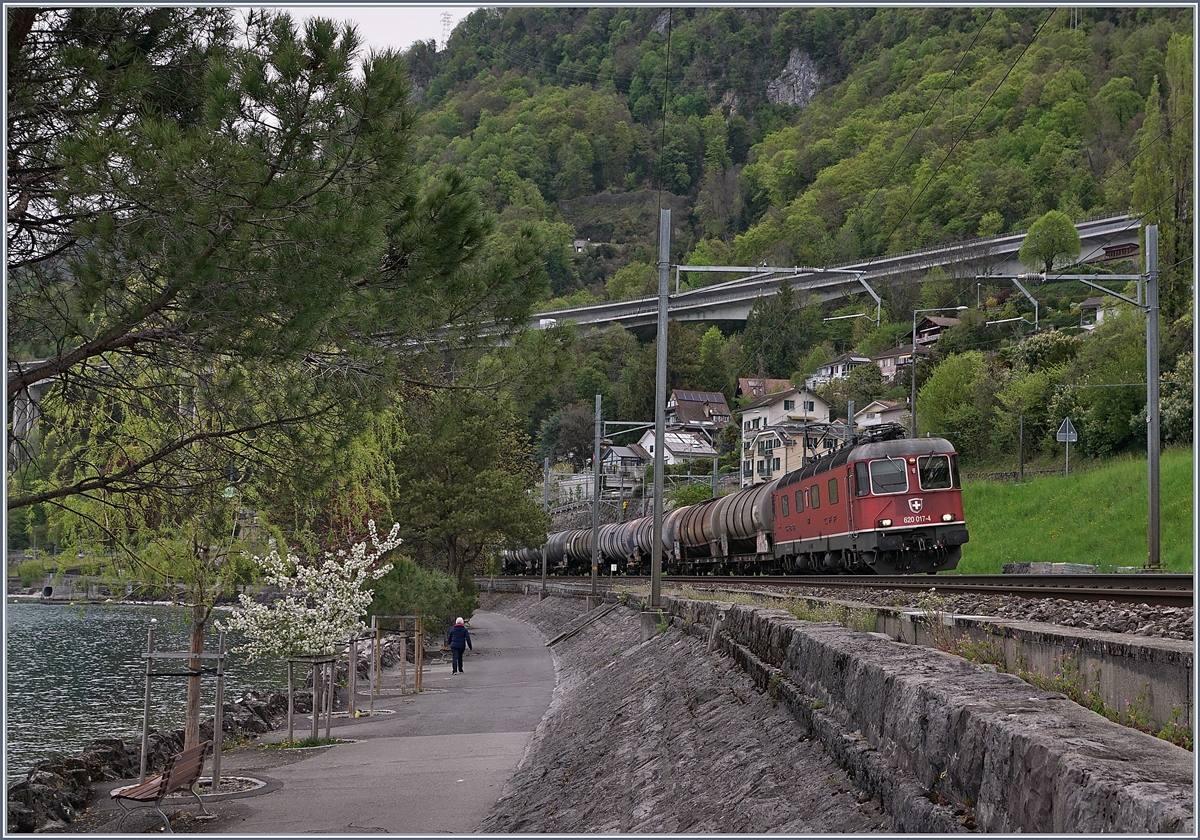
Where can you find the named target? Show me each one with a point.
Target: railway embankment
(1148, 678)
(936, 737)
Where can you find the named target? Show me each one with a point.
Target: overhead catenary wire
(971, 124)
(912, 137)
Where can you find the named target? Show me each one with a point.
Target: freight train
(884, 504)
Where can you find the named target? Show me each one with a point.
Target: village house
(892, 362)
(623, 468)
(838, 368)
(781, 430)
(679, 446)
(878, 412)
(931, 327)
(702, 411)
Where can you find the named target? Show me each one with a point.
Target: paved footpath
(435, 766)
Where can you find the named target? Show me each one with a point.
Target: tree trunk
(452, 557)
(191, 731)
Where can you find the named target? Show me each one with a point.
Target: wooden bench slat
(181, 773)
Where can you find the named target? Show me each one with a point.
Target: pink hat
(459, 621)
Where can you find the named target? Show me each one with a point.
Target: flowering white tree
(323, 604)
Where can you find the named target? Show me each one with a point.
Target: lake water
(74, 674)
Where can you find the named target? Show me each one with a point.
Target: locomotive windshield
(888, 476)
(934, 472)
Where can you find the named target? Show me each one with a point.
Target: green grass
(1096, 517)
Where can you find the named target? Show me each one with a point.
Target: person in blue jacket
(459, 640)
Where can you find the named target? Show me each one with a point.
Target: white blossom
(323, 604)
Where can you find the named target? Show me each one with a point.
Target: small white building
(679, 446)
(878, 412)
(838, 368)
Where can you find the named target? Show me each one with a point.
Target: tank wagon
(884, 505)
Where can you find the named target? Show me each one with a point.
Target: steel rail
(1172, 590)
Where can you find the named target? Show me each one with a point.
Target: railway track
(1166, 590)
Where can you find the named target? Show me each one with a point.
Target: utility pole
(545, 507)
(596, 496)
(1153, 443)
(1150, 308)
(660, 403)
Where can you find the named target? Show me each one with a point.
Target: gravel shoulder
(662, 736)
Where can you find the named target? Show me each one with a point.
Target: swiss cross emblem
(915, 505)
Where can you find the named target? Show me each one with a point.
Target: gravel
(1112, 617)
(663, 737)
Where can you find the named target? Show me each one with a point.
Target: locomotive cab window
(816, 496)
(934, 472)
(862, 482)
(799, 500)
(783, 503)
(833, 494)
(888, 476)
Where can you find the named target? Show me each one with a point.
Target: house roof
(637, 449)
(687, 445)
(938, 321)
(903, 350)
(757, 386)
(771, 399)
(698, 396)
(699, 408)
(628, 452)
(1092, 303)
(681, 444)
(848, 357)
(880, 406)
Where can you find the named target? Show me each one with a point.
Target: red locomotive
(883, 505)
(887, 507)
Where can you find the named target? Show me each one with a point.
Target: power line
(970, 125)
(912, 137)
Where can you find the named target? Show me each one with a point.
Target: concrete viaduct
(733, 300)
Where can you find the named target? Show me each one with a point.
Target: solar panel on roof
(700, 396)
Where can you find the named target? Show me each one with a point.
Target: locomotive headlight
(947, 517)
(885, 523)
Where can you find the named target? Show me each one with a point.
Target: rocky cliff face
(797, 84)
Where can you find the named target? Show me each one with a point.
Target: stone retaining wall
(1026, 760)
(904, 717)
(1154, 675)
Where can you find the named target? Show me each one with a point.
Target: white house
(679, 446)
(878, 412)
(775, 432)
(779, 449)
(838, 368)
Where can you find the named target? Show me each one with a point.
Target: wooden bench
(181, 774)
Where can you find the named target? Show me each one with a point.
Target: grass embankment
(1096, 517)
